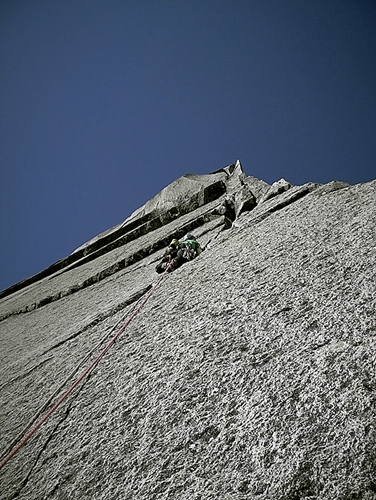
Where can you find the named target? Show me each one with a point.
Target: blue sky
(105, 102)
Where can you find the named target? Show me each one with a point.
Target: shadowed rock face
(249, 373)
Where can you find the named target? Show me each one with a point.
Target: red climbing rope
(84, 373)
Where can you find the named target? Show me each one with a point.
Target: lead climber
(179, 252)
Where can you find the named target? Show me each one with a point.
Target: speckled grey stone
(250, 372)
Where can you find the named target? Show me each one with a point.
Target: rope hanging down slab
(26, 438)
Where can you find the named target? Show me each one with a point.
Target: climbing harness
(136, 310)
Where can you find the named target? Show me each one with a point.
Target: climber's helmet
(174, 243)
(189, 236)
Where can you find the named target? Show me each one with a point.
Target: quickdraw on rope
(26, 438)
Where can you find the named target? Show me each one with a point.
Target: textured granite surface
(249, 374)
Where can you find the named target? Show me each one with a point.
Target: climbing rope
(87, 356)
(26, 438)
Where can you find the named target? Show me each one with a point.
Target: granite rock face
(249, 373)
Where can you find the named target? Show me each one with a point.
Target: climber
(191, 247)
(174, 254)
(179, 252)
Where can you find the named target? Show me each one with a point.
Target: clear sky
(105, 102)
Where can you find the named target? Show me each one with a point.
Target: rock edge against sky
(250, 373)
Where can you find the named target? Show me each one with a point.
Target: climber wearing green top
(190, 246)
(179, 252)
